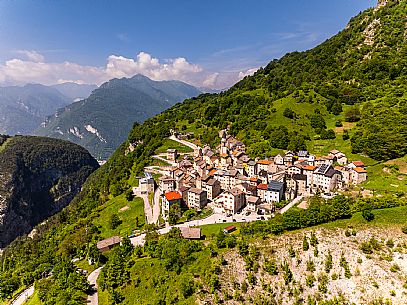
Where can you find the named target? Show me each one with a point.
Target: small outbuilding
(229, 229)
(108, 243)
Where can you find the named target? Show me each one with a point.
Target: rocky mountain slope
(22, 109)
(347, 266)
(101, 122)
(38, 177)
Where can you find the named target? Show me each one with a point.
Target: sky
(205, 43)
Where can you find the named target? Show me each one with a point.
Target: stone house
(169, 199)
(212, 188)
(233, 200)
(172, 154)
(197, 198)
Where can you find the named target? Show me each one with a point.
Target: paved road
(186, 143)
(155, 170)
(214, 218)
(291, 204)
(92, 278)
(158, 157)
(148, 211)
(23, 297)
(156, 206)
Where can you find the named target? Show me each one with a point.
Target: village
(228, 181)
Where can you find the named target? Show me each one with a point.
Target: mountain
(357, 75)
(75, 91)
(101, 122)
(39, 176)
(22, 109)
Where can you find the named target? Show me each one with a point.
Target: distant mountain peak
(102, 121)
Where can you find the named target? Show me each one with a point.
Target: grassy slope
(128, 216)
(386, 217)
(156, 282)
(173, 144)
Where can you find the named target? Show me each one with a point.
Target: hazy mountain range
(22, 109)
(102, 122)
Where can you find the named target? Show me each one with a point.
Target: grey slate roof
(275, 186)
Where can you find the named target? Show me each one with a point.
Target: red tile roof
(309, 167)
(358, 163)
(359, 170)
(212, 172)
(265, 162)
(173, 196)
(262, 186)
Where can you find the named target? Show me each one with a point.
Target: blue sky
(210, 43)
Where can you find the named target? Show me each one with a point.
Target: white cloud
(34, 69)
(33, 56)
(210, 80)
(248, 72)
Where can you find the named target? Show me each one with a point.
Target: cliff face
(38, 177)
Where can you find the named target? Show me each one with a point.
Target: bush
(271, 267)
(404, 229)
(395, 268)
(114, 221)
(368, 214)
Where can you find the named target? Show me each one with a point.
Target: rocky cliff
(38, 177)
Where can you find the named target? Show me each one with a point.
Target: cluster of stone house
(229, 179)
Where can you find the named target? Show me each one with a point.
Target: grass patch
(384, 217)
(386, 176)
(4, 145)
(83, 264)
(113, 206)
(212, 229)
(34, 300)
(168, 143)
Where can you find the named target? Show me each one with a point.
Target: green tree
(174, 214)
(114, 221)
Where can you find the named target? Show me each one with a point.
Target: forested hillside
(38, 177)
(353, 84)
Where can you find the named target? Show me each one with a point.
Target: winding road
(23, 297)
(186, 143)
(92, 279)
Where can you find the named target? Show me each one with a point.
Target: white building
(275, 191)
(233, 200)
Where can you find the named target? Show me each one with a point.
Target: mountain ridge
(129, 100)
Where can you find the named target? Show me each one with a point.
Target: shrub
(328, 262)
(288, 275)
(390, 243)
(114, 221)
(367, 214)
(291, 251)
(271, 267)
(305, 244)
(309, 281)
(395, 268)
(310, 265)
(323, 283)
(338, 123)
